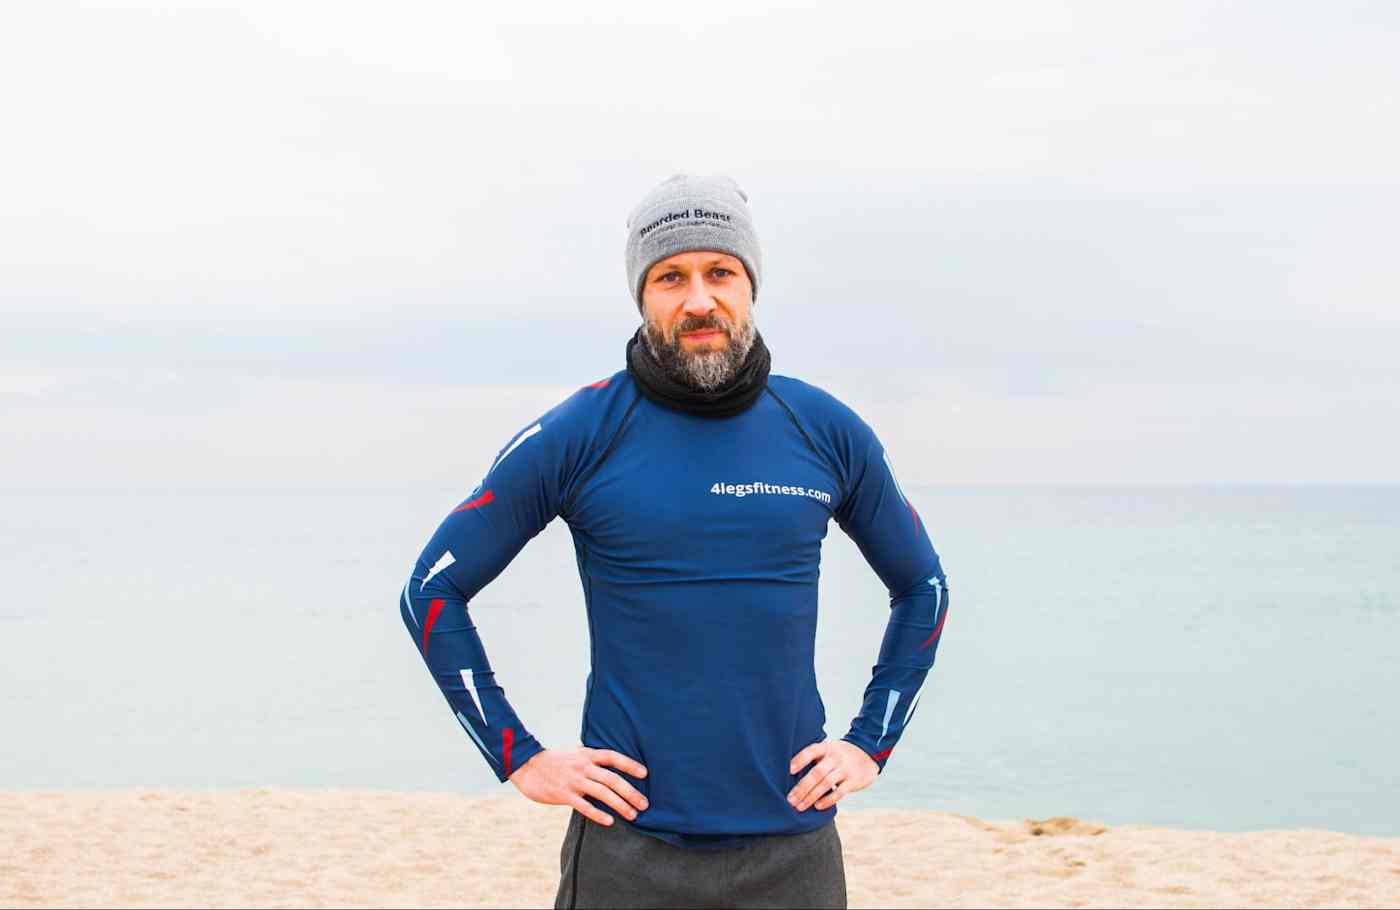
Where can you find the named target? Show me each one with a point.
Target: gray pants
(615, 866)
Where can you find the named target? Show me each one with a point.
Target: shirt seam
(612, 444)
(792, 416)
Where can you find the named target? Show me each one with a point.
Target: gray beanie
(687, 212)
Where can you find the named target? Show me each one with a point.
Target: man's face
(699, 326)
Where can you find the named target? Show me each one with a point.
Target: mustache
(699, 323)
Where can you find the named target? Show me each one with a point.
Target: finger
(618, 785)
(819, 793)
(807, 756)
(819, 787)
(585, 807)
(806, 787)
(619, 761)
(832, 796)
(603, 794)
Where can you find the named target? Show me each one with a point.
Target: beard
(705, 370)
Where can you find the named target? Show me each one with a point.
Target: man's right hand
(562, 777)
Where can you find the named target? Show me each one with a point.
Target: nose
(698, 301)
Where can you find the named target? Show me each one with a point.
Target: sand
(288, 848)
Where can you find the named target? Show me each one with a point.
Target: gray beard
(704, 371)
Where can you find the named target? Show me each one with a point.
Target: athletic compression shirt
(698, 542)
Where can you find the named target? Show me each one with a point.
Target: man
(698, 489)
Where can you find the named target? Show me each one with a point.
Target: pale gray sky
(292, 244)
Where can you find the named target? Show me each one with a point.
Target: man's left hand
(840, 768)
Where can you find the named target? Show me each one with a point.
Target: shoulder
(594, 404)
(567, 434)
(832, 427)
(815, 407)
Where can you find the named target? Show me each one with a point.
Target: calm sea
(1224, 658)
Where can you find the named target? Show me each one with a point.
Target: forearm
(441, 627)
(907, 654)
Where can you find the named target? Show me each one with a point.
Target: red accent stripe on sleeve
(881, 756)
(434, 609)
(508, 740)
(483, 499)
(937, 630)
(600, 384)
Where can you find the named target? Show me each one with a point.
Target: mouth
(703, 335)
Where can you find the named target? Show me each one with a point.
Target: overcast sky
(297, 244)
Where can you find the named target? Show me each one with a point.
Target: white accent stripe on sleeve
(518, 440)
(472, 733)
(408, 603)
(468, 681)
(886, 455)
(910, 712)
(889, 711)
(443, 562)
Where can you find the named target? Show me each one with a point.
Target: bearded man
(698, 489)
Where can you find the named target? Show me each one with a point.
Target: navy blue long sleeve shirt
(698, 542)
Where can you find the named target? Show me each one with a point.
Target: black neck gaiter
(729, 399)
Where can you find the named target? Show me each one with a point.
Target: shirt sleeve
(520, 494)
(883, 522)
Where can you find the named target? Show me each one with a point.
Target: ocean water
(1206, 657)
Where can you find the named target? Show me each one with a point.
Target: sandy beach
(293, 848)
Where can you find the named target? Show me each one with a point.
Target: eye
(670, 274)
(721, 271)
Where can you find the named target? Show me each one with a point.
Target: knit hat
(687, 212)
